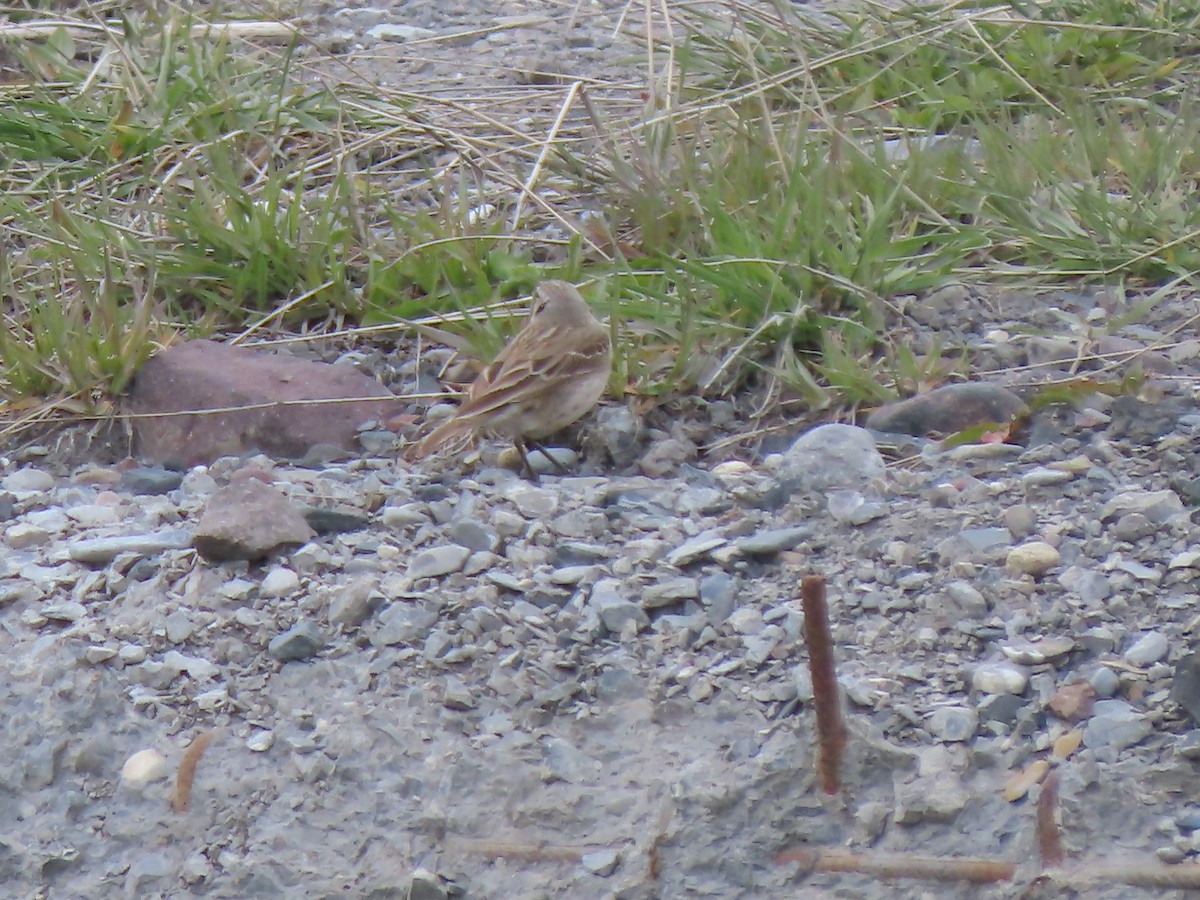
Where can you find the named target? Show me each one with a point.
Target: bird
(550, 375)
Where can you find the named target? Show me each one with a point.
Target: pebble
(953, 723)
(68, 611)
(27, 481)
(999, 678)
(143, 767)
(403, 622)
(830, 456)
(392, 31)
(614, 610)
(149, 480)
(772, 541)
(933, 798)
(1036, 652)
(1149, 648)
(302, 641)
(695, 549)
(1104, 682)
(1035, 558)
(97, 551)
(1115, 725)
(279, 582)
(438, 561)
(601, 862)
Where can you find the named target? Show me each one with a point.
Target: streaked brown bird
(550, 375)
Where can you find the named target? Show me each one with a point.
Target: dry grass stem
(181, 798)
(1049, 836)
(931, 868)
(831, 731)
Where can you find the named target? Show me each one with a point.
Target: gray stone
(670, 592)
(302, 641)
(967, 599)
(474, 535)
(773, 540)
(437, 644)
(180, 626)
(718, 594)
(1158, 507)
(398, 33)
(1115, 725)
(953, 723)
(615, 684)
(279, 582)
(27, 481)
(353, 604)
(97, 551)
(533, 502)
(1002, 708)
(854, 508)
(403, 623)
(933, 798)
(1104, 682)
(980, 539)
(67, 611)
(696, 548)
(196, 667)
(438, 561)
(999, 678)
(1149, 648)
(831, 456)
(601, 862)
(614, 610)
(149, 480)
(1033, 653)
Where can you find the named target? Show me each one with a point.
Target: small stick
(182, 797)
(1049, 837)
(933, 868)
(533, 852)
(831, 732)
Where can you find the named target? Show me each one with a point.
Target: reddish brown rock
(204, 375)
(1072, 702)
(948, 409)
(248, 520)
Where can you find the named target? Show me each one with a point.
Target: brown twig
(182, 796)
(831, 732)
(1049, 837)
(933, 868)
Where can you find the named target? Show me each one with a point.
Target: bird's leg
(540, 448)
(519, 444)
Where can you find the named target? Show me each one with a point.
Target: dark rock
(948, 409)
(149, 480)
(324, 520)
(248, 520)
(301, 641)
(201, 375)
(1185, 690)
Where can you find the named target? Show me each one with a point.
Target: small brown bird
(550, 375)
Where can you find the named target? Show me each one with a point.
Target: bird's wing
(527, 373)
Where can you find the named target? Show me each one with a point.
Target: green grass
(759, 222)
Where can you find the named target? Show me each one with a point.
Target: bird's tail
(438, 439)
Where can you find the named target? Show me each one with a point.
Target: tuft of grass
(792, 182)
(815, 167)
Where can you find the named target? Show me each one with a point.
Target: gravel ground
(596, 685)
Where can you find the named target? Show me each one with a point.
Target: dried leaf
(1019, 783)
(1068, 743)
